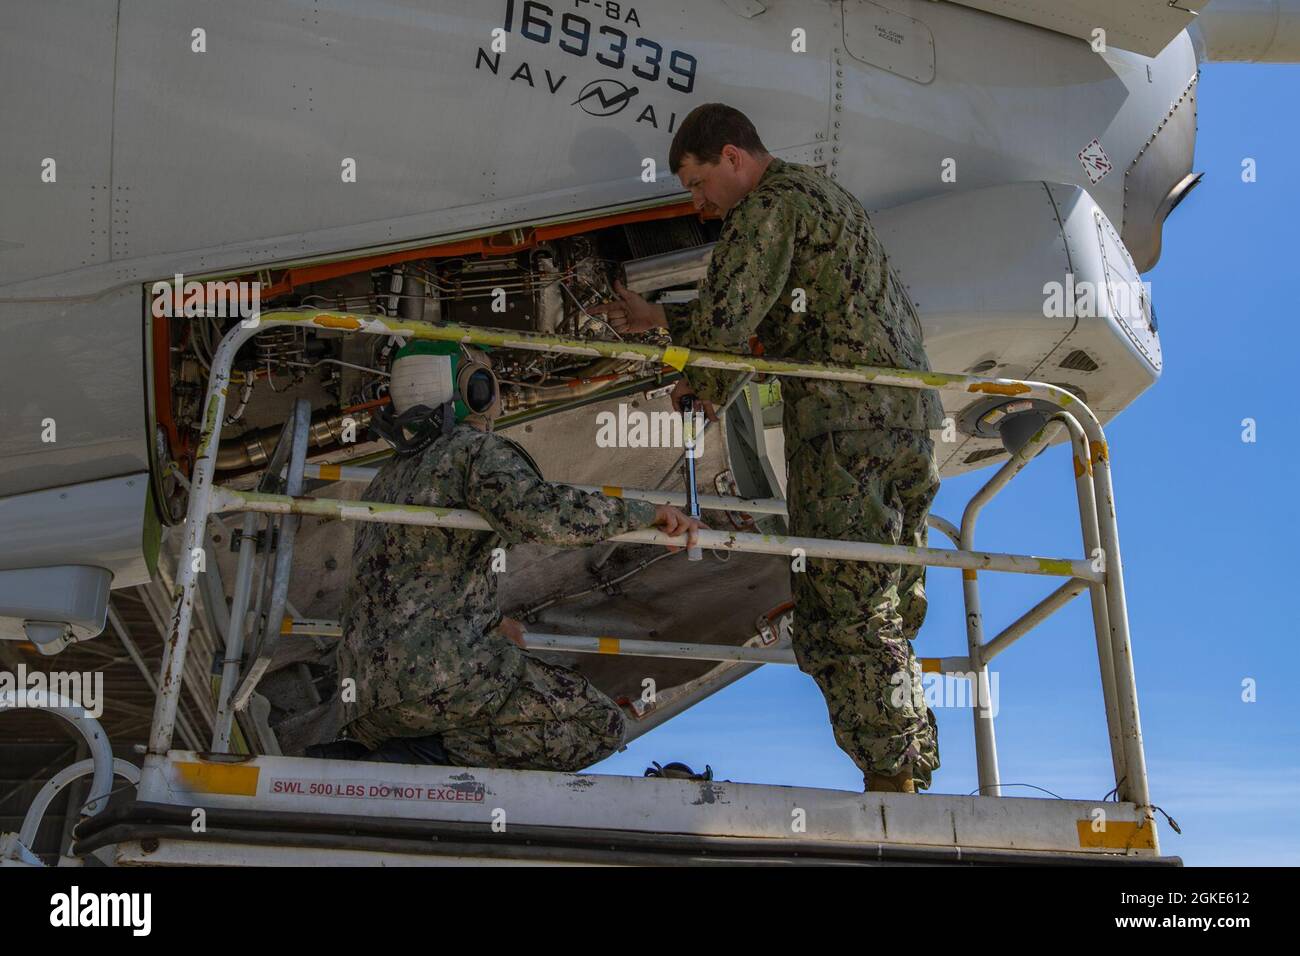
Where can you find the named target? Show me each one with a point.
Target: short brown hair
(707, 129)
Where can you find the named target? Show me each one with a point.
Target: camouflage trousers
(855, 621)
(552, 719)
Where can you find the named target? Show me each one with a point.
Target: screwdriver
(692, 498)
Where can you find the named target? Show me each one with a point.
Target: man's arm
(746, 278)
(523, 507)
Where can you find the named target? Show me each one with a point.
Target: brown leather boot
(901, 782)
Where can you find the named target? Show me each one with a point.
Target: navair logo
(605, 97)
(41, 690)
(604, 38)
(103, 909)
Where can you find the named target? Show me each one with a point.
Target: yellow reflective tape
(1117, 835)
(614, 491)
(1055, 566)
(969, 574)
(286, 626)
(1099, 451)
(676, 356)
(331, 472)
(929, 665)
(236, 779)
(608, 645)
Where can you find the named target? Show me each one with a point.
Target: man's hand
(671, 521)
(513, 630)
(631, 313)
(681, 390)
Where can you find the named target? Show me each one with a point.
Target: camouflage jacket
(799, 230)
(420, 615)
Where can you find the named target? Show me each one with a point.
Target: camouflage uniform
(860, 459)
(421, 625)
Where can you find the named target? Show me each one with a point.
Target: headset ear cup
(484, 390)
(479, 390)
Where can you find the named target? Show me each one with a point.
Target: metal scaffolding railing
(1100, 572)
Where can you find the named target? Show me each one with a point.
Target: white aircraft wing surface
(1143, 26)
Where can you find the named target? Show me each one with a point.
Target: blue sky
(1205, 526)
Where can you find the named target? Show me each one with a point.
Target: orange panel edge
(495, 244)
